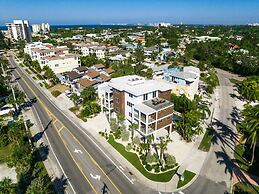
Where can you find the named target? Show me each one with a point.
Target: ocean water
(83, 26)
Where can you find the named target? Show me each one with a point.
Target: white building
(184, 81)
(206, 38)
(57, 58)
(19, 30)
(141, 101)
(93, 48)
(63, 63)
(43, 27)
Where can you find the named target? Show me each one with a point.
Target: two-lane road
(87, 168)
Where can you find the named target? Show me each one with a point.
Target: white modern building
(43, 27)
(19, 30)
(144, 102)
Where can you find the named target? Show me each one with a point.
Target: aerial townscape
(129, 97)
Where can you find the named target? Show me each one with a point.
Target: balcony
(151, 119)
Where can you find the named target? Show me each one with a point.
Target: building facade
(184, 81)
(43, 27)
(141, 101)
(19, 30)
(57, 58)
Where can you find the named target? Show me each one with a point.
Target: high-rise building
(19, 30)
(43, 27)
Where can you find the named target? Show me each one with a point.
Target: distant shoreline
(121, 25)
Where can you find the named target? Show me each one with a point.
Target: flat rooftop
(138, 85)
(158, 103)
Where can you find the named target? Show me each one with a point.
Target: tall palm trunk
(253, 155)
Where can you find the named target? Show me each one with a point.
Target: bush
(136, 140)
(40, 77)
(169, 159)
(148, 167)
(56, 93)
(128, 147)
(41, 85)
(125, 135)
(74, 109)
(117, 134)
(4, 141)
(47, 85)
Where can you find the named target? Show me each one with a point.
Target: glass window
(145, 97)
(154, 94)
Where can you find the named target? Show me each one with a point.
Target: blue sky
(131, 11)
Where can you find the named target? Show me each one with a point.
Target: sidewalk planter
(135, 161)
(188, 176)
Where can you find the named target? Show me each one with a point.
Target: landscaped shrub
(40, 77)
(55, 93)
(128, 147)
(169, 160)
(125, 135)
(148, 167)
(136, 140)
(41, 85)
(117, 134)
(46, 85)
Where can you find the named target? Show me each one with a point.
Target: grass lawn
(4, 153)
(135, 161)
(206, 140)
(245, 188)
(188, 175)
(234, 81)
(55, 93)
(243, 156)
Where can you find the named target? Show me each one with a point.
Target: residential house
(92, 74)
(184, 80)
(98, 67)
(72, 77)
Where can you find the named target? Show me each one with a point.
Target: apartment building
(62, 63)
(57, 58)
(141, 101)
(93, 48)
(19, 30)
(43, 27)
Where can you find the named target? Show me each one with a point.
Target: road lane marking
(80, 130)
(78, 151)
(79, 167)
(121, 168)
(43, 105)
(51, 114)
(60, 129)
(98, 177)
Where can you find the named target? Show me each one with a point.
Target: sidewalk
(100, 123)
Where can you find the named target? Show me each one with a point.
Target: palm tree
(163, 147)
(74, 97)
(250, 126)
(133, 127)
(121, 119)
